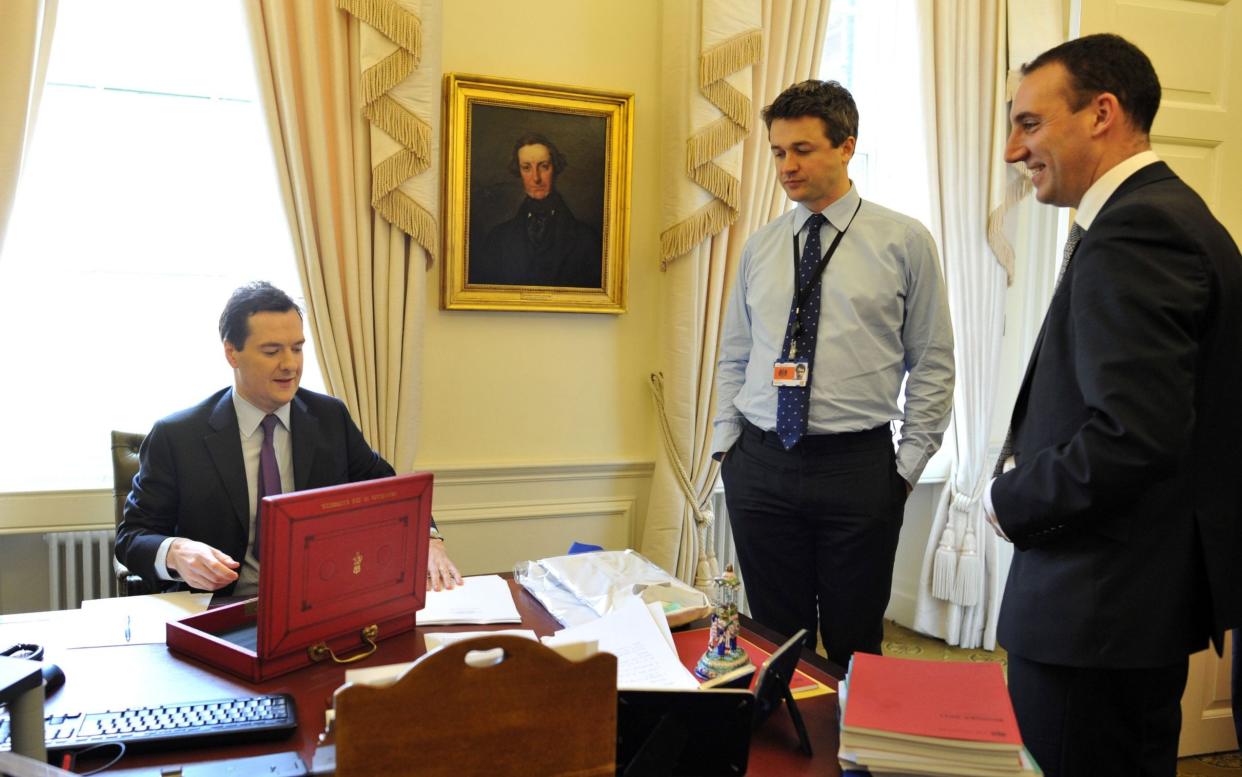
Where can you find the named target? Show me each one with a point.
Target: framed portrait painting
(536, 196)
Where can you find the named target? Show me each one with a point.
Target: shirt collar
(838, 213)
(249, 417)
(1099, 192)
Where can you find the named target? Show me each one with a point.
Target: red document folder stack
(907, 717)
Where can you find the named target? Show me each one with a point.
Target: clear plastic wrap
(585, 586)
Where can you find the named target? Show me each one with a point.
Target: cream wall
(545, 391)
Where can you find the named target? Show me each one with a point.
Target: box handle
(320, 650)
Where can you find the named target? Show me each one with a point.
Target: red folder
(342, 567)
(963, 701)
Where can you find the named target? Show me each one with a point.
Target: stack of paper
(907, 717)
(481, 599)
(638, 635)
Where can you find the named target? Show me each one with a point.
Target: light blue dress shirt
(884, 317)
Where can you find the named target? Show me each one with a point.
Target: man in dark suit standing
(1116, 497)
(191, 515)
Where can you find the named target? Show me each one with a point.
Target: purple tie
(269, 474)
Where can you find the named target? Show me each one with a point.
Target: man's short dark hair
(826, 100)
(1107, 63)
(559, 162)
(256, 297)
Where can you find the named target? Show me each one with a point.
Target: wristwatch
(435, 534)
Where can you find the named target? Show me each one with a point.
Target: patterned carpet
(900, 641)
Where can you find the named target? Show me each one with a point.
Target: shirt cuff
(724, 436)
(161, 561)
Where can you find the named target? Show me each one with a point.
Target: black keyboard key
(193, 724)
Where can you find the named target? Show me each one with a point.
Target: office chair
(530, 712)
(125, 447)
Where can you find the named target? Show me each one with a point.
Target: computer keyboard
(190, 724)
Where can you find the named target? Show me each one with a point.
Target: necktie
(1071, 242)
(793, 402)
(269, 474)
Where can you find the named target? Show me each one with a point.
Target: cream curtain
(965, 564)
(722, 61)
(362, 276)
(25, 44)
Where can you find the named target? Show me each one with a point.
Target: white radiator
(79, 567)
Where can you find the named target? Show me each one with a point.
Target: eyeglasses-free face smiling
(268, 367)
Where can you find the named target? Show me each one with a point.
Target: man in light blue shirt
(835, 304)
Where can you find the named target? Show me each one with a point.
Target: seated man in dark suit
(191, 515)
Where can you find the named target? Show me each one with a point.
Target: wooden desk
(134, 675)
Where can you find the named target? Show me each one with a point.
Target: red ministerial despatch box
(341, 568)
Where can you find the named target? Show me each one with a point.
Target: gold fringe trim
(680, 239)
(712, 141)
(717, 181)
(394, 171)
(404, 29)
(726, 58)
(715, 64)
(387, 73)
(401, 210)
(731, 102)
(404, 127)
(398, 25)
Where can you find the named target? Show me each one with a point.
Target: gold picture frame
(536, 196)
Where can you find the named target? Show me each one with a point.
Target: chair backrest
(125, 447)
(533, 712)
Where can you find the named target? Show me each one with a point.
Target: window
(150, 194)
(873, 48)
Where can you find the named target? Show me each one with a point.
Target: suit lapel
(1157, 171)
(224, 445)
(304, 430)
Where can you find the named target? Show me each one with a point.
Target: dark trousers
(1092, 722)
(816, 532)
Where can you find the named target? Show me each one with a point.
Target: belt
(821, 443)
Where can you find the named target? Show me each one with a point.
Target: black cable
(73, 761)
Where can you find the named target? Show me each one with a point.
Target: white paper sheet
(481, 599)
(645, 657)
(131, 620)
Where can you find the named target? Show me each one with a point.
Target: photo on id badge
(791, 373)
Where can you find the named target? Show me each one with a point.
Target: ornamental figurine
(723, 653)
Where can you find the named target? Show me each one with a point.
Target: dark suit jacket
(191, 480)
(1124, 504)
(568, 254)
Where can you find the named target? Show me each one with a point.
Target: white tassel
(944, 566)
(966, 588)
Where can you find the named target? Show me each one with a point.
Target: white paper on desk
(132, 620)
(645, 657)
(482, 599)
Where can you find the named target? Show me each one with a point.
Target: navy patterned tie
(269, 474)
(1071, 242)
(793, 402)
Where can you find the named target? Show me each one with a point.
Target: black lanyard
(801, 293)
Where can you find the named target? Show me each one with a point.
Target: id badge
(791, 373)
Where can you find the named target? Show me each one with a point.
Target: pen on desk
(128, 621)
